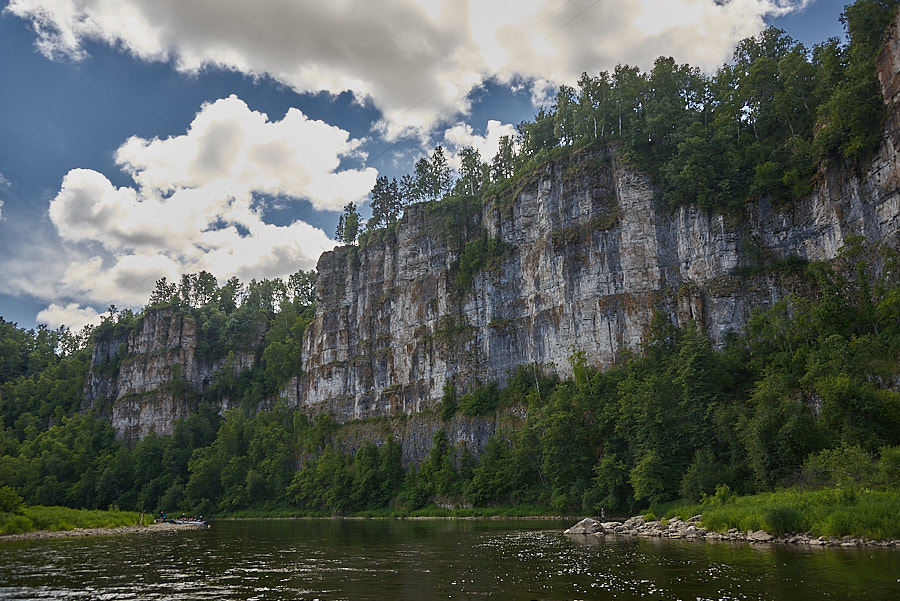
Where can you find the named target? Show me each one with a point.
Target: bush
(889, 467)
(479, 254)
(843, 466)
(722, 496)
(10, 500)
(448, 401)
(481, 401)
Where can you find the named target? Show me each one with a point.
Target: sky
(142, 139)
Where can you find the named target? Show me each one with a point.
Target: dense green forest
(805, 396)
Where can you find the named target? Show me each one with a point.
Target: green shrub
(448, 401)
(10, 500)
(482, 253)
(481, 401)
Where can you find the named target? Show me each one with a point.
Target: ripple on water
(425, 562)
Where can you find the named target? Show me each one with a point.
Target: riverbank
(34, 518)
(80, 532)
(828, 517)
(691, 529)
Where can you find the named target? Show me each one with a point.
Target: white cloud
(543, 93)
(415, 59)
(1, 210)
(196, 206)
(239, 151)
(71, 315)
(461, 135)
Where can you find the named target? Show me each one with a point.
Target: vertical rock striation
(147, 378)
(589, 259)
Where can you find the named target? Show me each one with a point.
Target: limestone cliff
(589, 257)
(147, 377)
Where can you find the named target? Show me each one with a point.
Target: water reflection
(424, 560)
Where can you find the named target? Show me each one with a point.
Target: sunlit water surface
(421, 560)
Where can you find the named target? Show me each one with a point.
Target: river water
(423, 560)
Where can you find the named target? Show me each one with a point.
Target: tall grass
(834, 512)
(62, 518)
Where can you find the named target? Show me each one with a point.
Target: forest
(806, 396)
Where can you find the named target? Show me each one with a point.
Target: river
(424, 560)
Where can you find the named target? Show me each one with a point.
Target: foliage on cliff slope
(673, 420)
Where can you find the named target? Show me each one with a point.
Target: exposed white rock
(590, 259)
(586, 526)
(138, 396)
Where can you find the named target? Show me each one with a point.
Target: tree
(164, 293)
(503, 163)
(302, 288)
(442, 177)
(564, 115)
(628, 89)
(409, 192)
(386, 202)
(423, 184)
(339, 231)
(667, 104)
(539, 134)
(348, 225)
(593, 106)
(851, 119)
(205, 286)
(473, 174)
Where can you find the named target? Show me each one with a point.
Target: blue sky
(142, 139)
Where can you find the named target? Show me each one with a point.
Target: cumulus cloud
(416, 60)
(71, 315)
(195, 205)
(462, 134)
(239, 151)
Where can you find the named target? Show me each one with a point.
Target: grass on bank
(829, 512)
(37, 517)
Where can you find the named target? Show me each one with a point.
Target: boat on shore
(182, 521)
(188, 522)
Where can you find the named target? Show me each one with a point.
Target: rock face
(146, 379)
(589, 259)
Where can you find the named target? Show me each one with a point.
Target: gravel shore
(78, 532)
(690, 530)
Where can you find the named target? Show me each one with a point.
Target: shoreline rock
(691, 530)
(81, 532)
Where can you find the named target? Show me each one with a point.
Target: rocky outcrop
(692, 529)
(415, 433)
(146, 378)
(589, 259)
